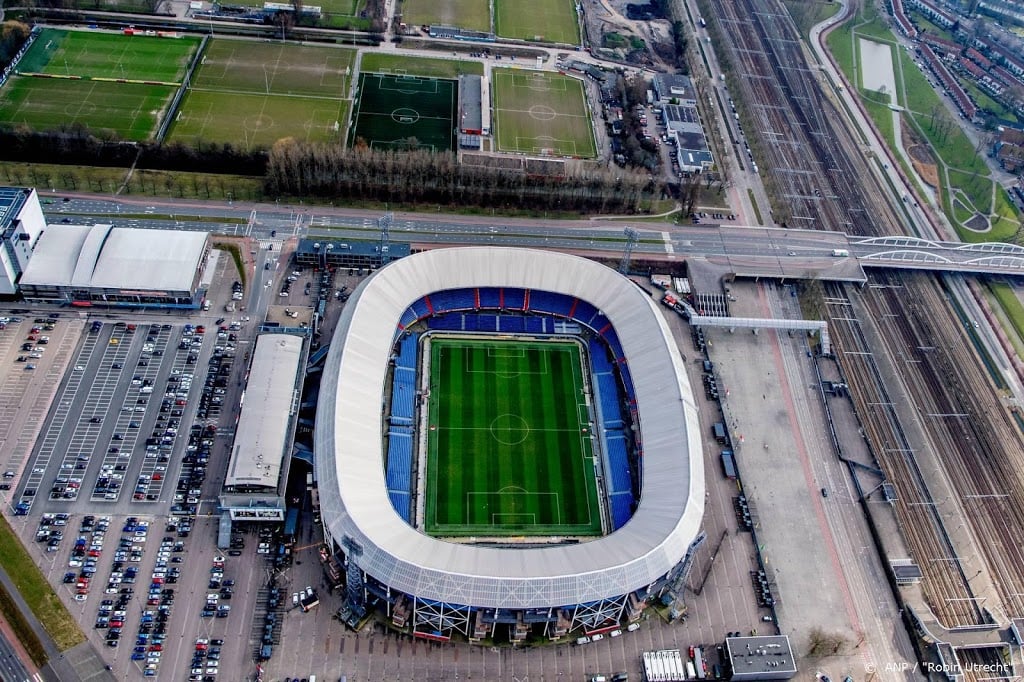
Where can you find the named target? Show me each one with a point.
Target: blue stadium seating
(608, 397)
(453, 299)
(612, 339)
(399, 471)
(547, 302)
(407, 352)
(483, 323)
(511, 324)
(490, 298)
(449, 322)
(515, 299)
(622, 509)
(402, 503)
(408, 317)
(597, 321)
(538, 325)
(420, 308)
(599, 357)
(617, 478)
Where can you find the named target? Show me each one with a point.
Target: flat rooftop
(766, 655)
(271, 399)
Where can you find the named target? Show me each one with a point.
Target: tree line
(77, 145)
(426, 177)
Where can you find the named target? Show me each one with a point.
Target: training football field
(90, 54)
(508, 447)
(541, 113)
(394, 109)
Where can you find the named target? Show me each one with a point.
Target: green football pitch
(508, 452)
(392, 109)
(91, 54)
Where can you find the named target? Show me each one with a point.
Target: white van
(583, 640)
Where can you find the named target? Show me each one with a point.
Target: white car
(79, 368)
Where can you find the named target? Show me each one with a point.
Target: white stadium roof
(261, 434)
(349, 458)
(106, 257)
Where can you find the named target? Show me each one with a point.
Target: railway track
(819, 178)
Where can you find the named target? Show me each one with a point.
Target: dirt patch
(978, 223)
(920, 155)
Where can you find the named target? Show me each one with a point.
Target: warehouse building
(261, 452)
(83, 266)
(21, 224)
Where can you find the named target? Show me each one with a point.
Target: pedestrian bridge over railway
(927, 254)
(752, 251)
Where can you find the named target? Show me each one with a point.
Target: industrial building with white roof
(253, 486)
(104, 265)
(448, 587)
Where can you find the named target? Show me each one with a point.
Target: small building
(471, 105)
(102, 265)
(906, 572)
(1009, 149)
(674, 86)
(760, 658)
(683, 124)
(456, 33)
(21, 224)
(329, 253)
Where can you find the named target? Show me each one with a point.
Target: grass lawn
(393, 109)
(541, 113)
(471, 14)
(132, 111)
(378, 62)
(549, 21)
(254, 93)
(1011, 305)
(253, 121)
(275, 68)
(506, 450)
(807, 13)
(36, 592)
(90, 54)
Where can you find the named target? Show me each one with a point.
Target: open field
(378, 62)
(550, 21)
(274, 68)
(254, 120)
(472, 14)
(541, 113)
(131, 110)
(253, 94)
(393, 109)
(507, 451)
(90, 54)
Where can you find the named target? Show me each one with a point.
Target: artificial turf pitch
(396, 108)
(508, 452)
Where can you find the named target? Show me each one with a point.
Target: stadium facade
(440, 588)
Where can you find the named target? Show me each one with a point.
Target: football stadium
(507, 446)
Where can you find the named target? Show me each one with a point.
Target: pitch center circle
(541, 112)
(80, 109)
(258, 122)
(509, 429)
(405, 115)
